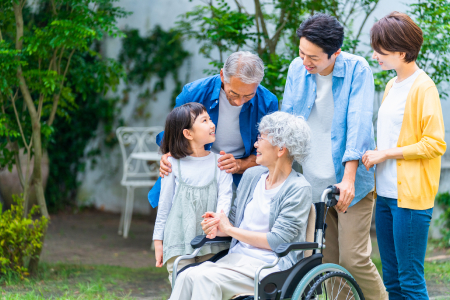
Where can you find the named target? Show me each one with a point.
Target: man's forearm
(350, 170)
(245, 163)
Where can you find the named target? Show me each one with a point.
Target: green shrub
(443, 199)
(20, 237)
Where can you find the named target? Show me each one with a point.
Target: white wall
(101, 186)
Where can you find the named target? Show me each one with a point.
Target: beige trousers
(348, 244)
(183, 263)
(232, 275)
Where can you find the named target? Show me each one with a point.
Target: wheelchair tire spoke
(334, 286)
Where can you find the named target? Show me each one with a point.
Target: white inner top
(256, 218)
(196, 171)
(318, 168)
(228, 132)
(390, 119)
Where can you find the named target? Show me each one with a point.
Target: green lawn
(69, 282)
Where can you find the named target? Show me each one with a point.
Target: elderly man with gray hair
(271, 208)
(236, 102)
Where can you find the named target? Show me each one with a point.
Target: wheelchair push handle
(332, 195)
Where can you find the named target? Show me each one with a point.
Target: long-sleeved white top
(196, 171)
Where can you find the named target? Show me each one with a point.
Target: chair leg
(128, 210)
(122, 217)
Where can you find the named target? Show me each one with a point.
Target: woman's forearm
(394, 153)
(256, 239)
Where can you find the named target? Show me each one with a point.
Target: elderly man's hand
(164, 165)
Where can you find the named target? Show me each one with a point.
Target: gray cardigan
(289, 211)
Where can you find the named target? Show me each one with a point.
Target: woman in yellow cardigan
(410, 143)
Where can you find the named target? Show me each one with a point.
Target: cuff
(351, 154)
(410, 152)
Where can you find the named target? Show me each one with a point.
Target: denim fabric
(402, 235)
(206, 91)
(352, 129)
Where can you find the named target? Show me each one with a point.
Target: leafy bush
(443, 199)
(20, 237)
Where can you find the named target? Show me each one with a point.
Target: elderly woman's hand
(210, 224)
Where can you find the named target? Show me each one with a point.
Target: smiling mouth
(258, 153)
(309, 68)
(212, 133)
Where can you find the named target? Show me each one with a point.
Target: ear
(187, 134)
(282, 151)
(337, 53)
(402, 55)
(221, 76)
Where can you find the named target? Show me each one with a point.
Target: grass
(70, 282)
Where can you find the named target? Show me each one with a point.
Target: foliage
(270, 31)
(50, 65)
(157, 54)
(443, 199)
(20, 238)
(227, 26)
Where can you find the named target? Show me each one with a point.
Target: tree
(227, 26)
(36, 59)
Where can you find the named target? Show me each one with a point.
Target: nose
(256, 144)
(374, 55)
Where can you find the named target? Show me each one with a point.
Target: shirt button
(309, 106)
(399, 182)
(217, 101)
(399, 164)
(399, 200)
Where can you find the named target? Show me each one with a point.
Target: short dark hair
(179, 119)
(323, 30)
(397, 32)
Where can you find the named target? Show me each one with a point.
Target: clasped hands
(215, 224)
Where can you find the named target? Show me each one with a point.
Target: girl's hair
(180, 118)
(397, 32)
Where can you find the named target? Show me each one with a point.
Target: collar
(216, 95)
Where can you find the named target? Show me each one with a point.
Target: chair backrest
(137, 140)
(310, 229)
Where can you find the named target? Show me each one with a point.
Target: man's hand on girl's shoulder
(165, 165)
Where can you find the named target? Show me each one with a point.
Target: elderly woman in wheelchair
(267, 227)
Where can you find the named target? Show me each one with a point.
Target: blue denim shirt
(352, 128)
(206, 91)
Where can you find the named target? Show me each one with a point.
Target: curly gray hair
(286, 130)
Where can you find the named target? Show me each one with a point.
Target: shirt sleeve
(288, 97)
(359, 116)
(165, 202)
(293, 217)
(432, 143)
(225, 191)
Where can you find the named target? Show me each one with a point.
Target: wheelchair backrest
(310, 229)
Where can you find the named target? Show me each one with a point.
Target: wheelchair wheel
(335, 286)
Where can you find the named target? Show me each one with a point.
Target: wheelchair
(309, 278)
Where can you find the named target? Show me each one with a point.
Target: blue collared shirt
(206, 91)
(352, 128)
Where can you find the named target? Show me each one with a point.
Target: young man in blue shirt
(334, 91)
(236, 102)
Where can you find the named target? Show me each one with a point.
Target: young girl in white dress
(195, 185)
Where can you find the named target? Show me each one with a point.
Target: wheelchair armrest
(200, 240)
(285, 248)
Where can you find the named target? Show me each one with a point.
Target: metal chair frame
(136, 173)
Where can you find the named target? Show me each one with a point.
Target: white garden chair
(138, 147)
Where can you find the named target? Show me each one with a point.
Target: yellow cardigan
(422, 138)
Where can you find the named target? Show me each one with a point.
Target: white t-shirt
(228, 132)
(256, 218)
(196, 171)
(318, 168)
(390, 119)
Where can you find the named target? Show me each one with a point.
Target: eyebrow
(231, 91)
(307, 54)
